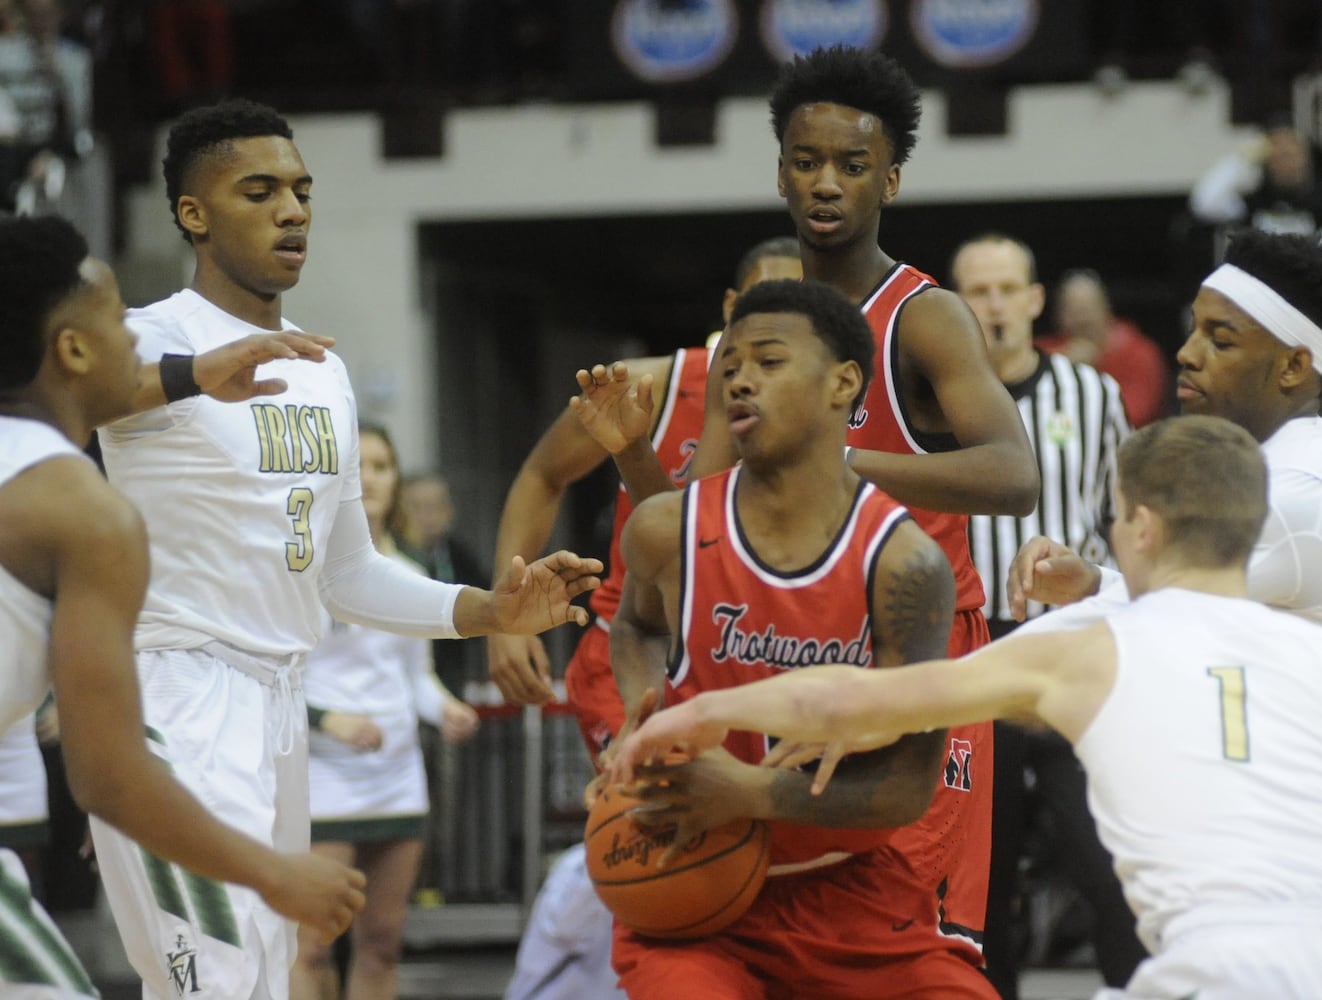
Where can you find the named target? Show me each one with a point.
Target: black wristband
(315, 715)
(177, 380)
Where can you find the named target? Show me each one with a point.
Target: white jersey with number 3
(1205, 761)
(239, 498)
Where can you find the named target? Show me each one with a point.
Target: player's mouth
(998, 332)
(1184, 389)
(742, 417)
(292, 248)
(824, 220)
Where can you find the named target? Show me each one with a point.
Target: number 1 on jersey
(298, 553)
(1234, 717)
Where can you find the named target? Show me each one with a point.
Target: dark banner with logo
(623, 49)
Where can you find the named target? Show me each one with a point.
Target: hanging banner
(792, 28)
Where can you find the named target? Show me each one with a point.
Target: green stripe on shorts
(164, 885)
(215, 915)
(39, 957)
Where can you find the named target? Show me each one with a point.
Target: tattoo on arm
(887, 787)
(914, 611)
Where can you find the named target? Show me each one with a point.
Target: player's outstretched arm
(994, 470)
(98, 550)
(229, 373)
(530, 597)
(1046, 571)
(618, 407)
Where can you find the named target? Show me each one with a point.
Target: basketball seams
(753, 827)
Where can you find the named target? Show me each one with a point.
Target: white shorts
(23, 807)
(36, 963)
(354, 793)
(239, 744)
(565, 952)
(1260, 953)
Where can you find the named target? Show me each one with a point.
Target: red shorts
(591, 692)
(828, 934)
(949, 848)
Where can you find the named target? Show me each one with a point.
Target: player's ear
(848, 382)
(192, 215)
(1298, 367)
(892, 187)
(781, 187)
(1150, 530)
(72, 351)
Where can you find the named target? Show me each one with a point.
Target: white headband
(1282, 320)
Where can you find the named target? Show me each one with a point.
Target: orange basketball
(704, 889)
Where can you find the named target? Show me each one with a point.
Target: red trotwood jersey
(741, 620)
(674, 440)
(883, 425)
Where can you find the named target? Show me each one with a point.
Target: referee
(1076, 421)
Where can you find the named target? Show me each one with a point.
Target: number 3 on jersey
(1234, 717)
(298, 553)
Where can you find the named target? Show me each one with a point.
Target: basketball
(704, 889)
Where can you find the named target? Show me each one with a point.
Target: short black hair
(1289, 264)
(777, 246)
(206, 130)
(836, 321)
(39, 261)
(856, 78)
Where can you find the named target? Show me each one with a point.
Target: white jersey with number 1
(239, 498)
(1205, 777)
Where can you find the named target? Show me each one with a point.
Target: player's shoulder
(162, 326)
(73, 499)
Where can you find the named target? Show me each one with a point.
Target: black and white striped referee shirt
(1076, 421)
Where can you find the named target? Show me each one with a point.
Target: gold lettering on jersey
(296, 439)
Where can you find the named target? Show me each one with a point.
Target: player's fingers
(833, 756)
(269, 387)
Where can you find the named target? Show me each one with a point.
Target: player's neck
(1226, 581)
(852, 271)
(64, 414)
(224, 293)
(790, 513)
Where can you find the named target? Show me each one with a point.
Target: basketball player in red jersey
(785, 562)
(937, 430)
(567, 453)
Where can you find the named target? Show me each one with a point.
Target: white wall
(362, 280)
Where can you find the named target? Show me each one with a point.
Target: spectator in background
(422, 527)
(46, 112)
(1075, 420)
(1270, 184)
(1088, 331)
(366, 692)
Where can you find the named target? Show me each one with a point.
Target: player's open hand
(613, 409)
(229, 373)
(534, 597)
(680, 729)
(1048, 572)
(316, 891)
(519, 666)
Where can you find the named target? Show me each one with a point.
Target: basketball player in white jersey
(1193, 709)
(1254, 356)
(255, 519)
(73, 570)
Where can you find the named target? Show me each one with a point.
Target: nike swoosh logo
(704, 543)
(902, 925)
